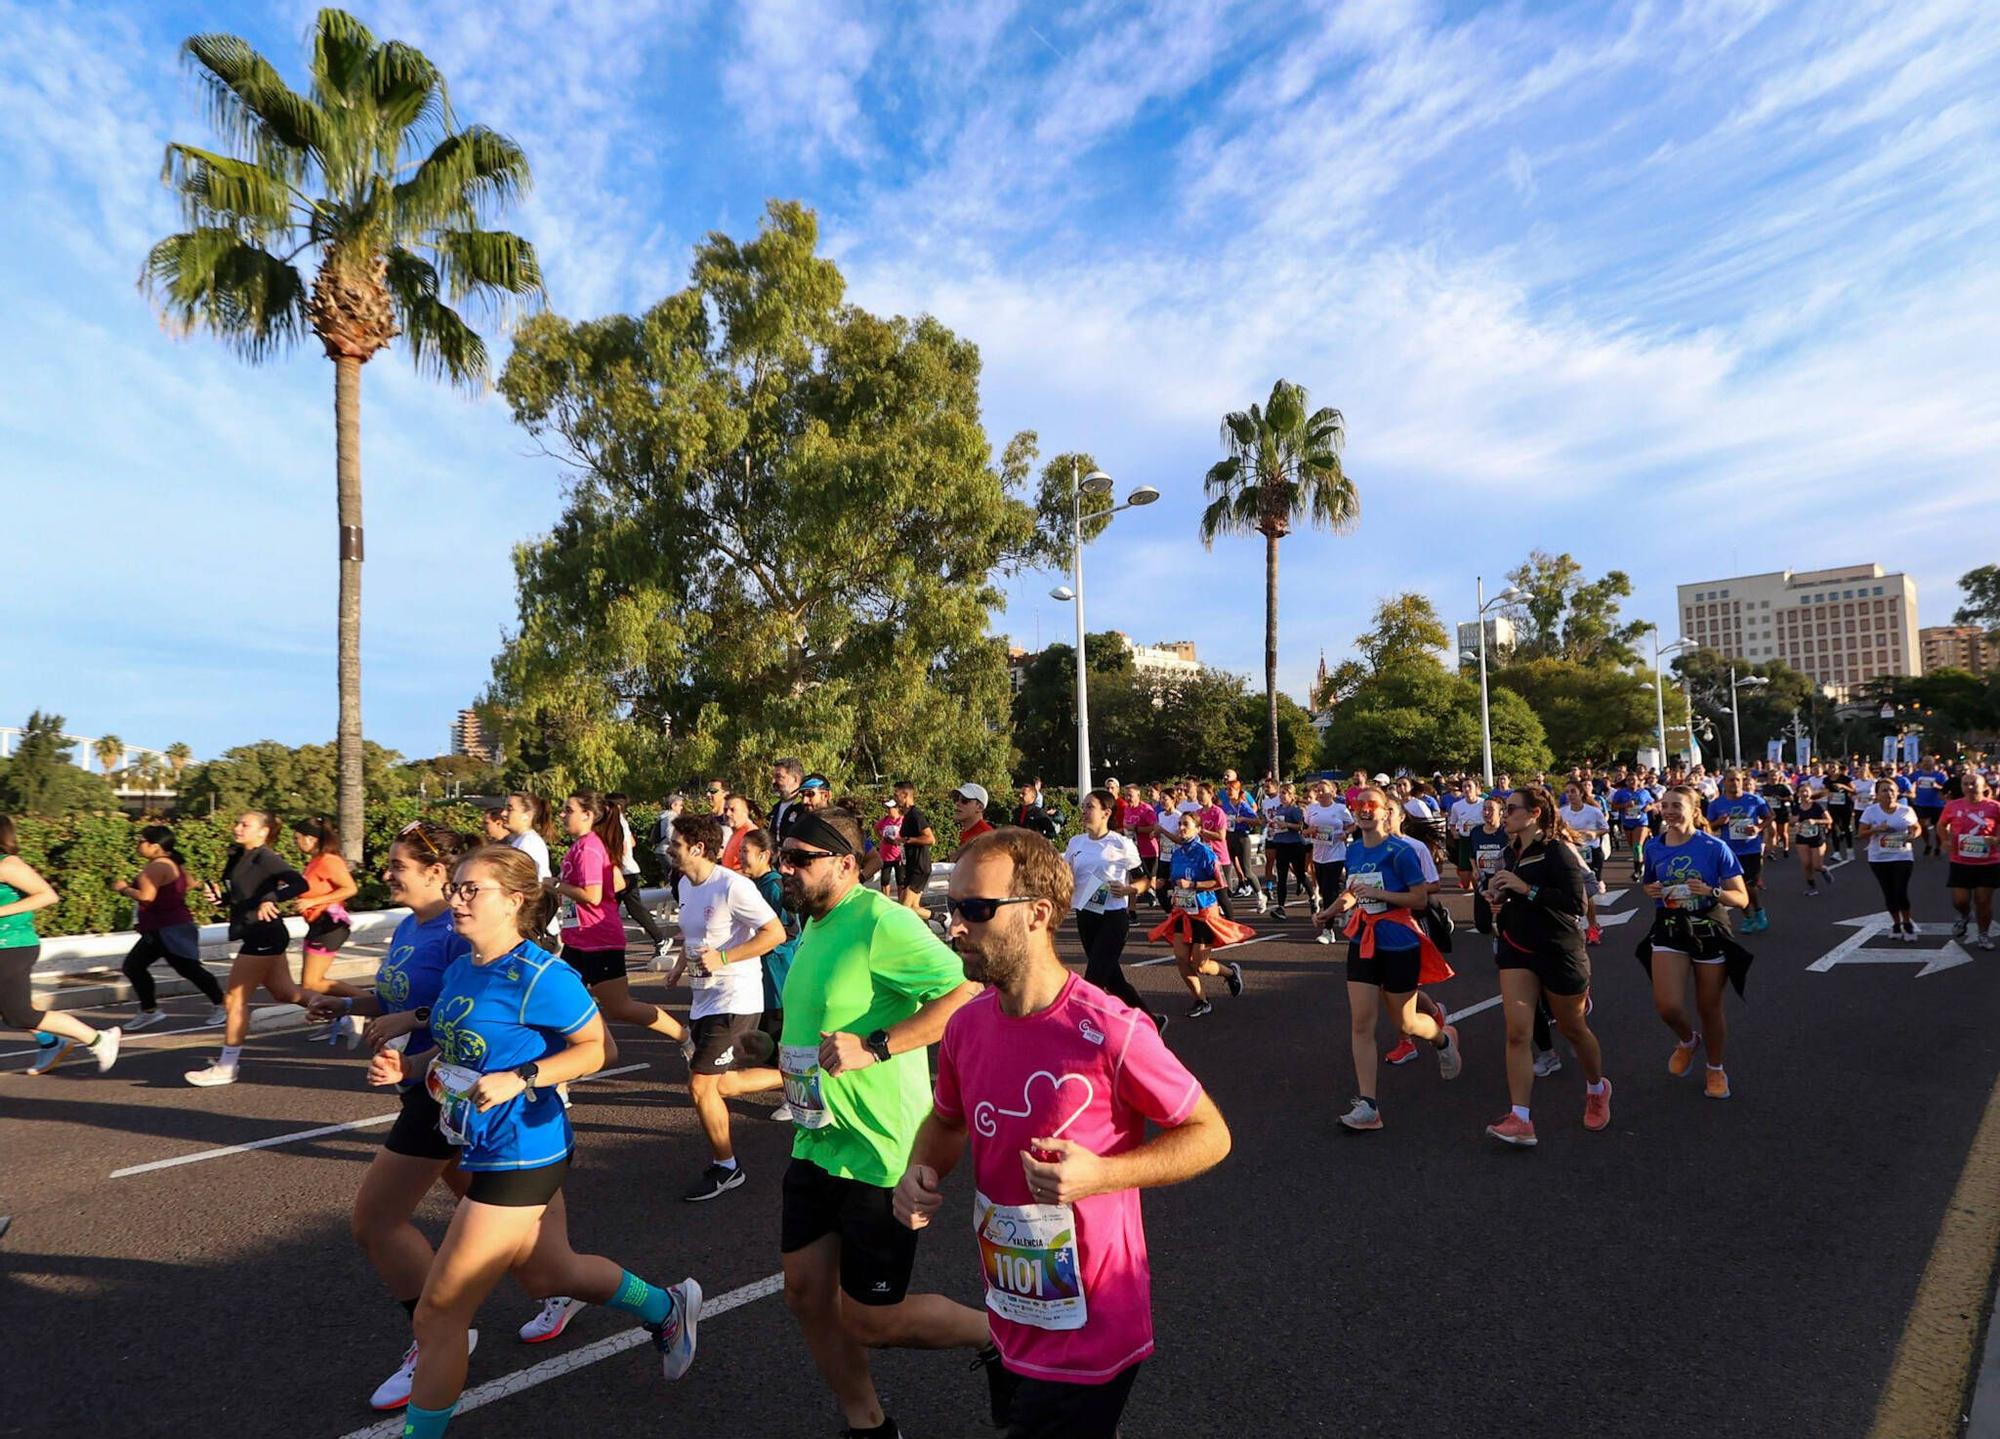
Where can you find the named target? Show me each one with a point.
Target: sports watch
(528, 1073)
(877, 1044)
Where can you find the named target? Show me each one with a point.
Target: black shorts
(1051, 1409)
(1394, 971)
(1809, 841)
(1560, 972)
(1753, 868)
(517, 1188)
(913, 871)
(717, 1041)
(1973, 876)
(415, 1132)
(595, 965)
(262, 937)
(1928, 817)
(326, 933)
(876, 1253)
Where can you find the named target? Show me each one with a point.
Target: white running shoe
(394, 1392)
(215, 1074)
(783, 1113)
(105, 1050)
(144, 1019)
(675, 1338)
(1450, 1061)
(217, 1017)
(1325, 936)
(1546, 1063)
(1985, 941)
(554, 1318)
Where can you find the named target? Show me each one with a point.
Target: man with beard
(1053, 1082)
(869, 989)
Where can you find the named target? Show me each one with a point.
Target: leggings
(1239, 854)
(1331, 878)
(1894, 877)
(1103, 937)
(180, 946)
(1291, 859)
(632, 904)
(17, 995)
(1843, 826)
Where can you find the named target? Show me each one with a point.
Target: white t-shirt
(1424, 858)
(1588, 822)
(1465, 816)
(1096, 863)
(724, 913)
(1329, 819)
(1709, 788)
(535, 847)
(1894, 829)
(630, 864)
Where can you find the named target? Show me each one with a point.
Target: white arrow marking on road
(1605, 921)
(1613, 898)
(1854, 949)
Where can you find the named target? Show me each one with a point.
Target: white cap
(972, 791)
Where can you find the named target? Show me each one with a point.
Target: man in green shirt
(869, 989)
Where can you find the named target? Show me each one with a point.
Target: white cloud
(797, 70)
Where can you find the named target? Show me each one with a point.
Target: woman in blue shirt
(1194, 925)
(511, 1022)
(1690, 875)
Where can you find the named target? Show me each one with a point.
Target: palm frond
(1230, 514)
(441, 343)
(494, 264)
(405, 90)
(212, 278)
(342, 48)
(243, 195)
(464, 173)
(251, 105)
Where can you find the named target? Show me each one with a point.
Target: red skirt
(1179, 924)
(1361, 929)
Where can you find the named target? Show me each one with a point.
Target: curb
(1983, 1417)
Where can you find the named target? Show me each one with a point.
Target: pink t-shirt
(1216, 817)
(889, 837)
(593, 926)
(1069, 1292)
(1140, 814)
(1975, 830)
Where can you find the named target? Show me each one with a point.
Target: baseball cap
(971, 791)
(1381, 779)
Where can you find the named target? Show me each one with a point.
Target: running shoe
(687, 1045)
(1826, 878)
(1593, 935)
(1960, 928)
(1514, 1130)
(1986, 941)
(1200, 1009)
(1811, 893)
(1279, 913)
(144, 1019)
(1716, 1086)
(1682, 1059)
(713, 1181)
(1234, 979)
(51, 1055)
(555, 1315)
(217, 1017)
(105, 1050)
(1403, 1053)
(782, 1114)
(1325, 936)
(1546, 1063)
(675, 1338)
(1450, 1060)
(215, 1074)
(394, 1392)
(1362, 1115)
(1597, 1109)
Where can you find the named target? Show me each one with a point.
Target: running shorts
(1753, 868)
(1697, 938)
(718, 1040)
(1393, 971)
(915, 870)
(415, 1132)
(1973, 876)
(876, 1253)
(1809, 841)
(595, 965)
(262, 936)
(1560, 972)
(518, 1188)
(327, 934)
(1051, 1409)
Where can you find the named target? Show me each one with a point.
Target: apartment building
(1840, 626)
(468, 737)
(1958, 647)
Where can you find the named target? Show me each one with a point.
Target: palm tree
(110, 752)
(340, 175)
(178, 754)
(1283, 464)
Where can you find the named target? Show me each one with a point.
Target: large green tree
(1044, 707)
(1156, 725)
(782, 526)
(1981, 588)
(366, 179)
(43, 778)
(1766, 708)
(1591, 712)
(1417, 715)
(1282, 465)
(1567, 617)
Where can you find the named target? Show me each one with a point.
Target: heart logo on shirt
(986, 1116)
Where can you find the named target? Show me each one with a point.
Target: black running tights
(1103, 937)
(180, 946)
(1894, 877)
(1291, 859)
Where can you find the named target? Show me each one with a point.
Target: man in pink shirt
(1053, 1081)
(1971, 827)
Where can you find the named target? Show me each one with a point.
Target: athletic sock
(647, 1303)
(426, 1423)
(1597, 1088)
(1689, 1043)
(1521, 1112)
(232, 1055)
(96, 1038)
(1716, 1067)
(729, 1163)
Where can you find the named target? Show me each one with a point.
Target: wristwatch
(528, 1072)
(422, 1013)
(877, 1044)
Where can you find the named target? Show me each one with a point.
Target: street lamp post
(1736, 688)
(1505, 597)
(1097, 485)
(1660, 652)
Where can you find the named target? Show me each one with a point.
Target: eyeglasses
(800, 858)
(1364, 808)
(466, 889)
(975, 910)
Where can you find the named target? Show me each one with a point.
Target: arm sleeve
(1563, 891)
(279, 882)
(1151, 1079)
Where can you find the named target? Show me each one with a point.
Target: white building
(1841, 626)
(1169, 658)
(1499, 637)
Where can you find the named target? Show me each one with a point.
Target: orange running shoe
(1717, 1084)
(1682, 1059)
(1403, 1053)
(1597, 1109)
(1510, 1128)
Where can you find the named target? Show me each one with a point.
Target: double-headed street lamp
(1097, 485)
(1736, 686)
(1660, 652)
(1505, 597)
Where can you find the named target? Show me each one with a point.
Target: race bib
(1741, 828)
(1187, 900)
(800, 1065)
(451, 1085)
(1027, 1255)
(1099, 898)
(1893, 840)
(1369, 905)
(1808, 829)
(1975, 846)
(1327, 834)
(1679, 894)
(566, 915)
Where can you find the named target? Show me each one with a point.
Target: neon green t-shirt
(867, 965)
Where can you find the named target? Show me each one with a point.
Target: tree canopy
(1981, 588)
(1419, 716)
(1591, 712)
(1567, 617)
(294, 781)
(43, 778)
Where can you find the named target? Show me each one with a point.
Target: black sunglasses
(799, 858)
(975, 910)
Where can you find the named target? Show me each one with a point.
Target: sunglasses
(800, 858)
(1364, 808)
(975, 910)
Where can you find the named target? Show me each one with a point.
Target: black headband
(814, 830)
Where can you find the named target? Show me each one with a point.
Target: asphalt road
(1702, 1268)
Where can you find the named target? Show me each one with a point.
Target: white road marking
(1607, 921)
(1855, 949)
(1241, 944)
(1472, 1009)
(523, 1380)
(1612, 898)
(276, 1139)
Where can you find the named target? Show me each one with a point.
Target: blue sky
(1690, 290)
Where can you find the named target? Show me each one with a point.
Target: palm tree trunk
(347, 451)
(1271, 643)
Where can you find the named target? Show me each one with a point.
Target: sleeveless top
(16, 930)
(168, 908)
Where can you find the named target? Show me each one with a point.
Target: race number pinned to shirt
(1975, 846)
(451, 1085)
(1027, 1255)
(800, 1066)
(1187, 899)
(1743, 826)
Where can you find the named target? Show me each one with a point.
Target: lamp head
(1062, 592)
(1096, 483)
(1144, 495)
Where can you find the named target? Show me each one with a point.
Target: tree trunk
(347, 452)
(1271, 644)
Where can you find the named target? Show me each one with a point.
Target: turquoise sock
(647, 1303)
(426, 1423)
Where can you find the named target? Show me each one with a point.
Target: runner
(760, 865)
(1777, 791)
(528, 829)
(23, 893)
(166, 929)
(739, 817)
(1062, 1249)
(787, 777)
(1467, 813)
(494, 825)
(1744, 819)
(1972, 824)
(1928, 798)
(726, 930)
(1687, 875)
(1285, 847)
(329, 885)
(969, 810)
(1587, 824)
(1539, 896)
(510, 1024)
(1243, 814)
(1811, 822)
(889, 846)
(631, 896)
(1328, 823)
(1890, 829)
(1031, 816)
(870, 988)
(1214, 821)
(918, 837)
(1195, 926)
(1425, 836)
(1106, 875)
(1486, 856)
(1839, 796)
(255, 881)
(1142, 823)
(1388, 954)
(1631, 803)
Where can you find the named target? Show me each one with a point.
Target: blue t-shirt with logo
(1702, 857)
(500, 1016)
(420, 951)
(1290, 814)
(1393, 866)
(1741, 821)
(1240, 812)
(1196, 861)
(1930, 791)
(1631, 804)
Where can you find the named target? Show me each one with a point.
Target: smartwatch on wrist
(423, 1013)
(877, 1044)
(528, 1072)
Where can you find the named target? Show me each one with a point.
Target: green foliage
(779, 538)
(1298, 741)
(1419, 716)
(1567, 617)
(1591, 712)
(1043, 711)
(1407, 631)
(1156, 726)
(1766, 708)
(1981, 588)
(42, 777)
(293, 781)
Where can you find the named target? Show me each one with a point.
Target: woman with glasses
(510, 1023)
(1537, 897)
(1690, 876)
(1196, 926)
(255, 881)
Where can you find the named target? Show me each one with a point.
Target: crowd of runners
(819, 970)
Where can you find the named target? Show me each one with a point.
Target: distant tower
(1318, 696)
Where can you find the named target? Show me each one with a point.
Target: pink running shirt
(1136, 815)
(1975, 830)
(1216, 817)
(1069, 1292)
(592, 926)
